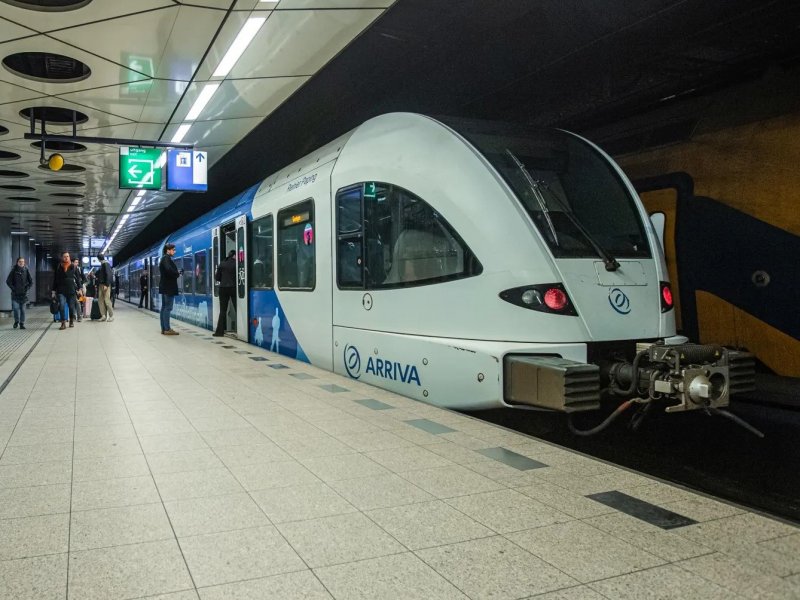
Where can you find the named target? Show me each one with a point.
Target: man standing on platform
(168, 287)
(20, 281)
(105, 278)
(226, 275)
(143, 290)
(80, 287)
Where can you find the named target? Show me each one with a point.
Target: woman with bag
(64, 287)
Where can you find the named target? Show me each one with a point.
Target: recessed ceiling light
(181, 133)
(239, 45)
(202, 100)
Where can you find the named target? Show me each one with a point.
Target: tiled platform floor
(136, 465)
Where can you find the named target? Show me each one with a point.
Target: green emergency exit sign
(140, 168)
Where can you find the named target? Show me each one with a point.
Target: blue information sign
(187, 170)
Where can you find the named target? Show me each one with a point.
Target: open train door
(242, 328)
(214, 265)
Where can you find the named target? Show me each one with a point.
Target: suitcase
(87, 306)
(95, 314)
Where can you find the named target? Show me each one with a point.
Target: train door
(241, 327)
(214, 264)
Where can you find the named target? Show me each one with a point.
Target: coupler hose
(736, 419)
(609, 419)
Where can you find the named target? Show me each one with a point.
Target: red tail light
(555, 299)
(666, 297)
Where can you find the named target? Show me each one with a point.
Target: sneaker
(16, 324)
(22, 325)
(170, 332)
(103, 318)
(110, 319)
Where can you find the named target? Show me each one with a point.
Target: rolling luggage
(87, 306)
(95, 314)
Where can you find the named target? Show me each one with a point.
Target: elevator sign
(187, 170)
(140, 168)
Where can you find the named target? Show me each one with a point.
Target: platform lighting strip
(246, 35)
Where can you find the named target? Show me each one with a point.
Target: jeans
(71, 303)
(143, 298)
(18, 306)
(166, 308)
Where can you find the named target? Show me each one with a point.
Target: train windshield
(577, 201)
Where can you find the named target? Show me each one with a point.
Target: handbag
(54, 306)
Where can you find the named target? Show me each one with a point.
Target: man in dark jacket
(144, 289)
(20, 281)
(105, 279)
(168, 287)
(226, 276)
(64, 286)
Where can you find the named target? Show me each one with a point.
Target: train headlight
(532, 297)
(548, 297)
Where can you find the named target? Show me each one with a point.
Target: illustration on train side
(469, 265)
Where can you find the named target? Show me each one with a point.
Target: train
(466, 264)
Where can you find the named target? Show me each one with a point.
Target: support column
(31, 262)
(6, 262)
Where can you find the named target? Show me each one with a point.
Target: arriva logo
(352, 361)
(386, 369)
(619, 301)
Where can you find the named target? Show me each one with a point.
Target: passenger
(168, 287)
(64, 287)
(226, 276)
(114, 289)
(143, 290)
(80, 287)
(105, 279)
(20, 281)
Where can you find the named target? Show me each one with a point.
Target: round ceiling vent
(12, 174)
(18, 188)
(47, 67)
(66, 168)
(4, 155)
(54, 115)
(64, 183)
(49, 5)
(70, 204)
(3, 130)
(22, 199)
(64, 147)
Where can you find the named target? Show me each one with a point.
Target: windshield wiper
(534, 185)
(609, 261)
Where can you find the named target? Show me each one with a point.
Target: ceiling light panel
(237, 48)
(299, 42)
(208, 90)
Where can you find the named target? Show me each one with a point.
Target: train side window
(296, 247)
(261, 250)
(188, 273)
(350, 238)
(400, 241)
(200, 273)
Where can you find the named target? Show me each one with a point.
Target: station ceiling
(317, 68)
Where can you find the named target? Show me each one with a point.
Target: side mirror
(658, 219)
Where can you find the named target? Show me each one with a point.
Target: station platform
(136, 465)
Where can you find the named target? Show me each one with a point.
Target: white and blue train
(469, 265)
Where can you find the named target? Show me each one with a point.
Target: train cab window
(200, 273)
(388, 237)
(296, 247)
(261, 247)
